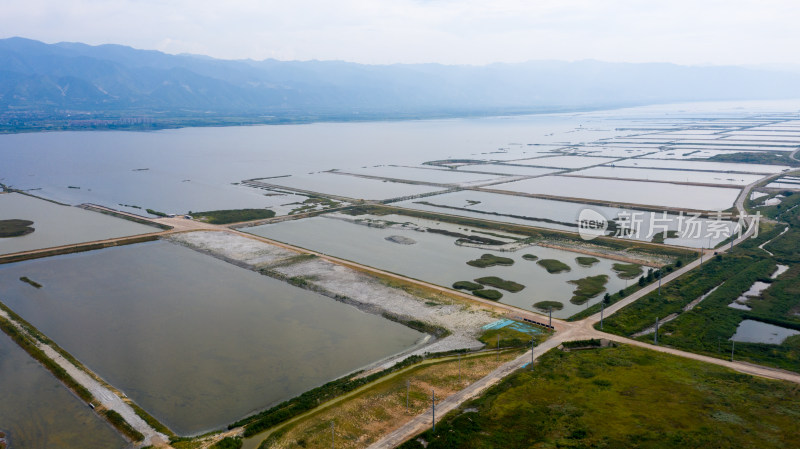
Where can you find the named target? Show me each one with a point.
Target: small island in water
(15, 228)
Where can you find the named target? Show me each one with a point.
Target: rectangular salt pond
(57, 225)
(351, 186)
(565, 161)
(37, 411)
(647, 174)
(751, 331)
(615, 152)
(197, 342)
(783, 185)
(738, 148)
(631, 192)
(679, 154)
(553, 214)
(705, 166)
(437, 259)
(509, 169)
(431, 175)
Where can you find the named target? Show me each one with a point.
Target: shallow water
(194, 340)
(707, 166)
(511, 208)
(750, 331)
(37, 411)
(446, 176)
(352, 186)
(648, 174)
(57, 225)
(435, 258)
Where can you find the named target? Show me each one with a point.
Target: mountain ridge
(42, 82)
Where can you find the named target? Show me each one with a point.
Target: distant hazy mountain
(47, 82)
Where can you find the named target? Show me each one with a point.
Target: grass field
(623, 397)
(708, 327)
(228, 216)
(367, 415)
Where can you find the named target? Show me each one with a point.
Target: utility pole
(655, 334)
(433, 410)
(602, 307)
(531, 354)
(659, 282)
(408, 386)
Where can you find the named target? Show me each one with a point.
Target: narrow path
(101, 394)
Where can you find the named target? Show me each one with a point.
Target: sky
(476, 32)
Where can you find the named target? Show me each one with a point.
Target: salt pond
(705, 166)
(352, 186)
(564, 215)
(37, 411)
(686, 176)
(431, 175)
(631, 192)
(436, 258)
(57, 225)
(196, 341)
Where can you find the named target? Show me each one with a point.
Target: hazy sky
(445, 31)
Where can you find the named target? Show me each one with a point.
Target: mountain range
(48, 83)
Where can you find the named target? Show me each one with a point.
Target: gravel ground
(233, 247)
(354, 287)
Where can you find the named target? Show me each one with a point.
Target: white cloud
(446, 31)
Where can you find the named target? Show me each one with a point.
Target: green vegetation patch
(227, 216)
(15, 228)
(709, 325)
(120, 424)
(228, 443)
(530, 257)
(547, 305)
(467, 285)
(156, 213)
(490, 260)
(509, 337)
(30, 282)
(588, 288)
(627, 270)
(496, 282)
(554, 266)
(314, 203)
(622, 397)
(586, 261)
(760, 157)
(488, 293)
